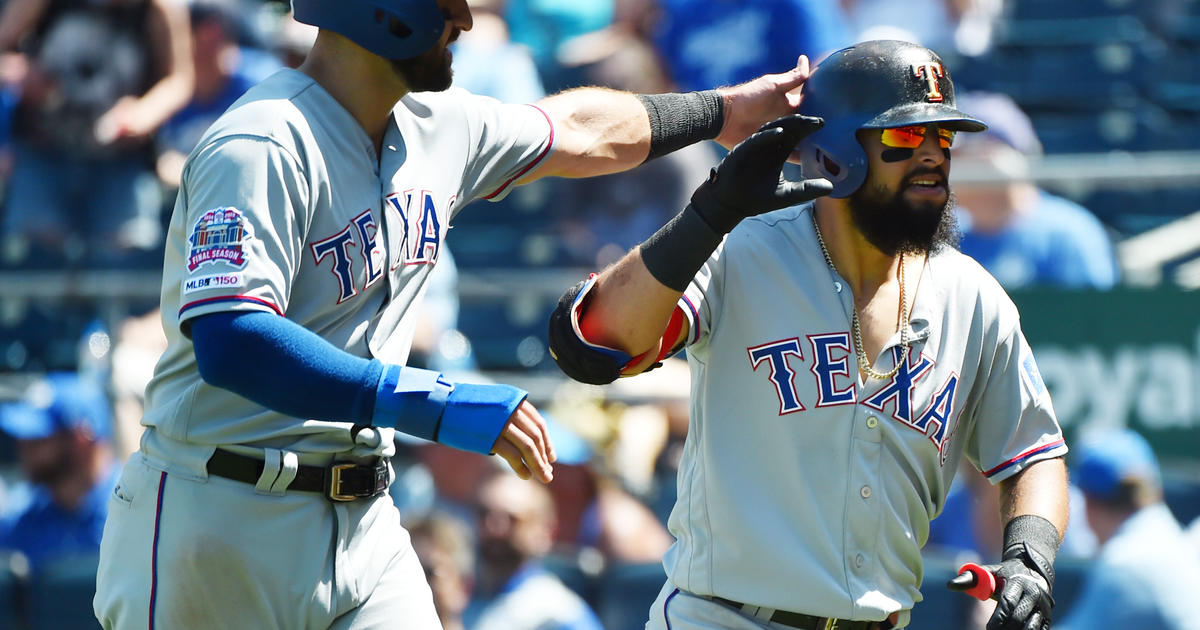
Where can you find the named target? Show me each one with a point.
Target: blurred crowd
(102, 100)
(583, 552)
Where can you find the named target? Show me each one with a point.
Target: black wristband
(676, 252)
(678, 120)
(1035, 538)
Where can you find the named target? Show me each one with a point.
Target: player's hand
(749, 105)
(525, 444)
(750, 181)
(1023, 600)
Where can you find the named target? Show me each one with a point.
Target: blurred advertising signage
(1120, 358)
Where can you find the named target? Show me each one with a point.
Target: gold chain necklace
(863, 363)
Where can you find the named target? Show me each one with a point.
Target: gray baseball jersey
(804, 488)
(284, 208)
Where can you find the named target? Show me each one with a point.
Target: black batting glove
(1025, 575)
(750, 181)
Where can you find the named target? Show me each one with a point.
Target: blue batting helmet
(873, 85)
(393, 29)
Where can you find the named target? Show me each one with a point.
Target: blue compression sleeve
(281, 365)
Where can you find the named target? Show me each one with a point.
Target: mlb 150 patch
(214, 281)
(219, 235)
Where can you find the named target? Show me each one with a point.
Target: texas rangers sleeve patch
(219, 235)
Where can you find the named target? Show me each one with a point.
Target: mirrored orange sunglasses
(912, 136)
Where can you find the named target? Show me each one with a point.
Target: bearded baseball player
(307, 222)
(844, 359)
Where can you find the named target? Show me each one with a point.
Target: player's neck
(361, 82)
(858, 261)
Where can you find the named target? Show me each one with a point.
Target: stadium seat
(1059, 9)
(12, 595)
(569, 569)
(1076, 77)
(1069, 576)
(1071, 30)
(940, 608)
(1174, 83)
(60, 594)
(626, 593)
(1131, 212)
(503, 338)
(1182, 495)
(1144, 128)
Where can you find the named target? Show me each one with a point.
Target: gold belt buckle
(335, 482)
(831, 624)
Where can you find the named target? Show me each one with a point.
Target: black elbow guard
(577, 357)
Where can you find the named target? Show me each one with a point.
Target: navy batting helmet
(393, 29)
(873, 85)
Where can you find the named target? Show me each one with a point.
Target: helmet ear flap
(817, 162)
(395, 26)
(845, 167)
(830, 167)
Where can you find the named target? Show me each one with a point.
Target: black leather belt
(345, 481)
(810, 622)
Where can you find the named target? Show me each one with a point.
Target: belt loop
(272, 465)
(290, 466)
(760, 613)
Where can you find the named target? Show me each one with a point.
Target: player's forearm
(282, 366)
(597, 131)
(1040, 490)
(285, 367)
(628, 308)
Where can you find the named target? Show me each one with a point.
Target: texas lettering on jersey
(419, 243)
(830, 365)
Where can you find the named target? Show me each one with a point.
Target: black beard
(894, 226)
(428, 72)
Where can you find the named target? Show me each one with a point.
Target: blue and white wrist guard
(463, 415)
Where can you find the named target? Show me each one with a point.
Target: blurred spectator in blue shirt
(1146, 574)
(62, 430)
(710, 43)
(515, 592)
(224, 70)
(103, 76)
(488, 62)
(1022, 235)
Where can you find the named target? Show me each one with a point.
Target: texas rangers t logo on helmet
(930, 72)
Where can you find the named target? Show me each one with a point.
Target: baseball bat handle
(974, 580)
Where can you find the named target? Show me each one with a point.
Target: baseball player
(308, 219)
(844, 358)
